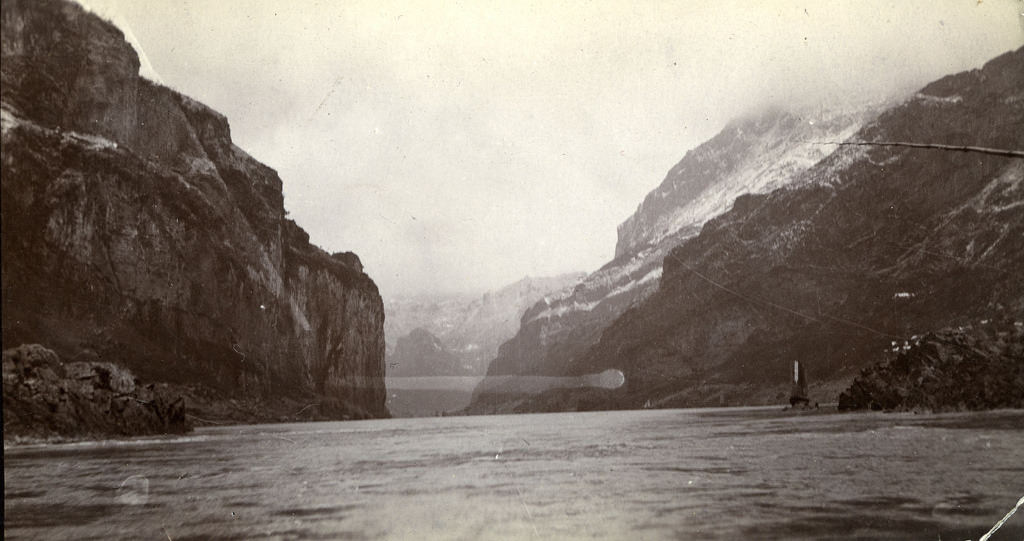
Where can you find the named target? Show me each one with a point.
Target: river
(751, 473)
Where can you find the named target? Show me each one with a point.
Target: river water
(655, 474)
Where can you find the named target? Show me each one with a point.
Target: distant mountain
(471, 326)
(425, 377)
(437, 314)
(750, 155)
(453, 337)
(420, 353)
(872, 245)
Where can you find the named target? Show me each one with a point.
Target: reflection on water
(654, 474)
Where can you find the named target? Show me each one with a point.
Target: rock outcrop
(976, 368)
(869, 245)
(45, 398)
(135, 230)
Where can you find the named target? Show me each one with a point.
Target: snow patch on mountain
(938, 100)
(777, 158)
(604, 285)
(777, 148)
(562, 309)
(630, 286)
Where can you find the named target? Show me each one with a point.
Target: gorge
(808, 322)
(140, 240)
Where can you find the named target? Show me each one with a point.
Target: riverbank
(964, 369)
(46, 399)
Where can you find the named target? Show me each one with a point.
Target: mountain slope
(871, 246)
(752, 154)
(135, 232)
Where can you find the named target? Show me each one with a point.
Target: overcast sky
(459, 146)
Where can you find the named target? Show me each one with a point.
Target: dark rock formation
(870, 245)
(975, 368)
(135, 229)
(45, 398)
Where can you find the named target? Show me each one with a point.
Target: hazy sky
(459, 146)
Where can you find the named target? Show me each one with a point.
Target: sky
(459, 146)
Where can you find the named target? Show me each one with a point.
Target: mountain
(754, 154)
(472, 326)
(425, 377)
(136, 233)
(453, 338)
(903, 231)
(437, 314)
(420, 353)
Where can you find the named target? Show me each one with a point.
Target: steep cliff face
(136, 232)
(750, 155)
(873, 245)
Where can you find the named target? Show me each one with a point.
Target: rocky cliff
(136, 233)
(868, 247)
(754, 154)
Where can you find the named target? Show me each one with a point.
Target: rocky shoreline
(963, 369)
(50, 400)
(46, 399)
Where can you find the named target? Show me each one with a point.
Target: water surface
(655, 474)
